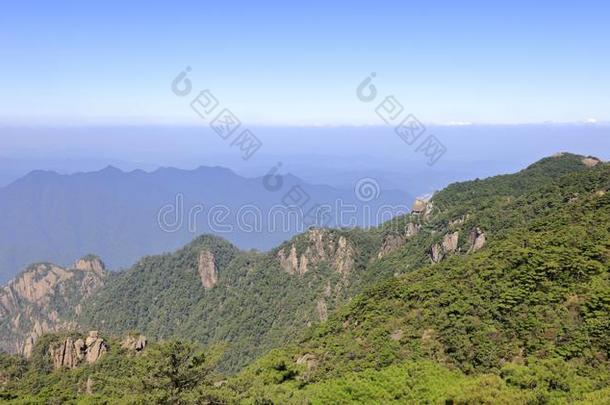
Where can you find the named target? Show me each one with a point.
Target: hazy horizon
(341, 154)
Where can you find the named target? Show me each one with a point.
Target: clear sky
(283, 63)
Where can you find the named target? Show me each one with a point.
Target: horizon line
(451, 124)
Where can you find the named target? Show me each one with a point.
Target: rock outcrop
(207, 269)
(321, 245)
(343, 261)
(290, 262)
(71, 352)
(412, 230)
(394, 241)
(390, 244)
(95, 347)
(436, 253)
(477, 239)
(591, 161)
(423, 207)
(397, 335)
(450, 242)
(134, 343)
(308, 360)
(419, 206)
(92, 264)
(448, 246)
(67, 354)
(34, 285)
(45, 298)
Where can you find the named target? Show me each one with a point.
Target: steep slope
(211, 292)
(46, 298)
(527, 316)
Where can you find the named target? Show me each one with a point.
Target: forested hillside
(524, 320)
(494, 291)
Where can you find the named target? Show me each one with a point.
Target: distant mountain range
(125, 215)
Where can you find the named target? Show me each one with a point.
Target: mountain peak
(90, 263)
(586, 160)
(560, 164)
(111, 170)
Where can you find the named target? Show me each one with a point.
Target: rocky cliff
(71, 352)
(45, 298)
(315, 247)
(207, 269)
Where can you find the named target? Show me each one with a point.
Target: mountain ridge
(58, 218)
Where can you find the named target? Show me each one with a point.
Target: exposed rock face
(92, 264)
(93, 270)
(419, 206)
(390, 244)
(447, 246)
(134, 343)
(66, 354)
(591, 161)
(344, 257)
(321, 247)
(309, 360)
(436, 253)
(450, 242)
(428, 335)
(412, 230)
(477, 239)
(34, 286)
(95, 347)
(290, 262)
(207, 269)
(45, 298)
(28, 346)
(393, 242)
(422, 207)
(72, 352)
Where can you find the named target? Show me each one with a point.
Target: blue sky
(282, 63)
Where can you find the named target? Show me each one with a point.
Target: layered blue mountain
(122, 216)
